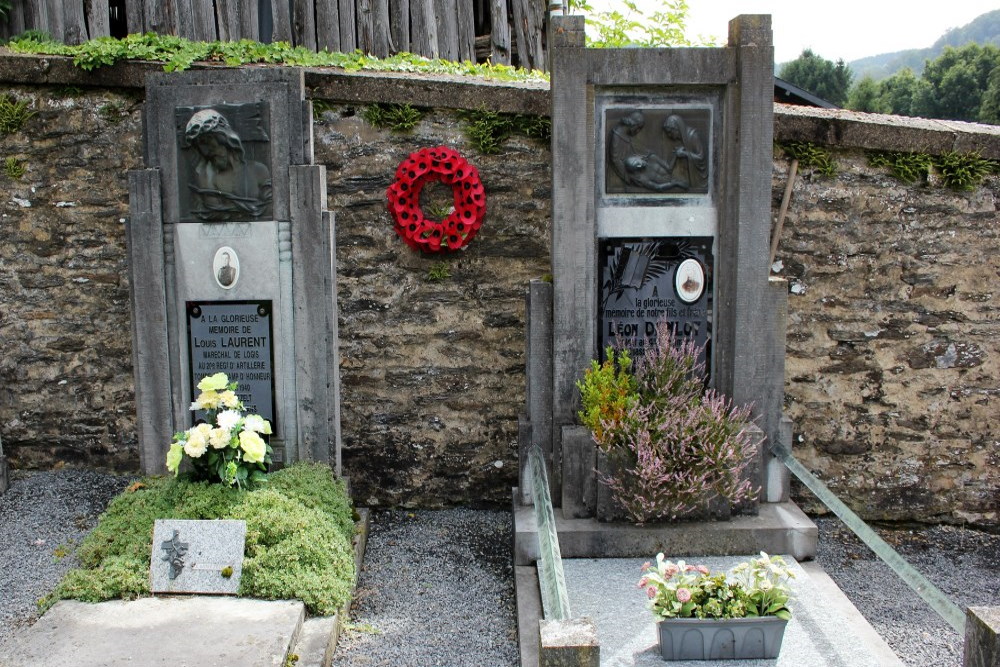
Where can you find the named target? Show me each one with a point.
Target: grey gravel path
(964, 564)
(43, 515)
(437, 586)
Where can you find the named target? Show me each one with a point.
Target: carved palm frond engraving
(632, 266)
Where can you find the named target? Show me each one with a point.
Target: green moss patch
(298, 543)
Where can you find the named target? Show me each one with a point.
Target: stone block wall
(892, 353)
(66, 390)
(432, 346)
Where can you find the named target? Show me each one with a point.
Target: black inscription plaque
(645, 281)
(235, 338)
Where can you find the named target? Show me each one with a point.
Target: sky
(848, 29)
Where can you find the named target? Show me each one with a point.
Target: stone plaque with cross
(197, 556)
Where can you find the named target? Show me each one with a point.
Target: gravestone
(197, 556)
(661, 207)
(231, 260)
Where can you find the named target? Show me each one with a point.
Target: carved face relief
(223, 175)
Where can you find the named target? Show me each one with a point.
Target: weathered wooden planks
(399, 24)
(528, 21)
(328, 25)
(348, 26)
(456, 30)
(98, 18)
(304, 24)
(424, 35)
(500, 32)
(281, 18)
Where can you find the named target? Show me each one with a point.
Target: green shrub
(298, 544)
(672, 446)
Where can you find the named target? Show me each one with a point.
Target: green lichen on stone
(298, 541)
(811, 155)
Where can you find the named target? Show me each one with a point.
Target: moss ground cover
(298, 543)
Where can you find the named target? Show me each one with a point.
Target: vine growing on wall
(178, 53)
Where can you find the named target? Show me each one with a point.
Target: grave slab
(154, 632)
(825, 628)
(777, 528)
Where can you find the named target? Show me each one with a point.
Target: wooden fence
(503, 31)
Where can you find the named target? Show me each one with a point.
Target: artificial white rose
(258, 424)
(219, 438)
(229, 399)
(228, 419)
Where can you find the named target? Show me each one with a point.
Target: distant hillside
(984, 29)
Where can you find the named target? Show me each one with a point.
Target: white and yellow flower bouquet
(232, 451)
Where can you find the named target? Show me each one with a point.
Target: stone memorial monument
(661, 212)
(231, 260)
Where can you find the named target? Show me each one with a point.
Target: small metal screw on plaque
(175, 550)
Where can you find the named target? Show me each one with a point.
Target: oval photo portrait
(689, 280)
(226, 267)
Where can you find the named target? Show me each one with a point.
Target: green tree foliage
(819, 76)
(898, 90)
(866, 95)
(961, 84)
(955, 83)
(631, 26)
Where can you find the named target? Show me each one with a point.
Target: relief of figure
(622, 146)
(693, 173)
(227, 186)
(674, 161)
(650, 172)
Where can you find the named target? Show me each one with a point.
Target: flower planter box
(721, 639)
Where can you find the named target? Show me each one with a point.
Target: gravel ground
(963, 563)
(437, 586)
(43, 515)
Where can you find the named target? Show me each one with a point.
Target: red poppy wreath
(460, 226)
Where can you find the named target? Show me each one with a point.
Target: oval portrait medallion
(689, 280)
(226, 267)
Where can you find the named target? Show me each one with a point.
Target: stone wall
(893, 363)
(66, 365)
(891, 370)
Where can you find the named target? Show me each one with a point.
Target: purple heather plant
(677, 446)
